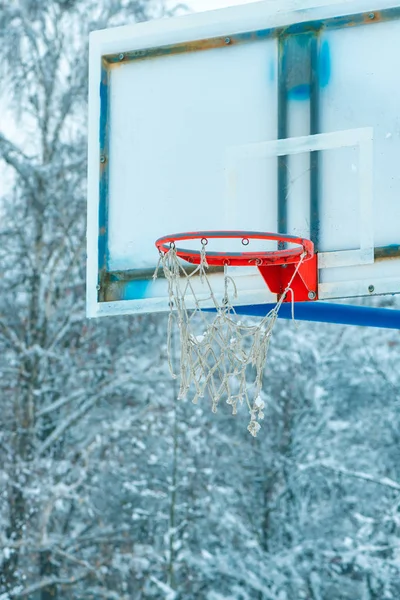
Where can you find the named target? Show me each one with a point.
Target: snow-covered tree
(55, 366)
(110, 486)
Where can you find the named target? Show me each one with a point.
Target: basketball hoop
(218, 353)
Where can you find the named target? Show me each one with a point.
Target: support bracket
(304, 285)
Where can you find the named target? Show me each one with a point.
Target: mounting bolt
(121, 56)
(312, 295)
(227, 40)
(102, 158)
(371, 289)
(371, 16)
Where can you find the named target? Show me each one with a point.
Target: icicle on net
(220, 356)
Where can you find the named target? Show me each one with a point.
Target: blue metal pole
(329, 313)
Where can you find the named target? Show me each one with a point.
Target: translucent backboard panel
(171, 141)
(276, 117)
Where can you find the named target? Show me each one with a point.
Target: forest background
(110, 487)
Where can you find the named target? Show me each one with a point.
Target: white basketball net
(219, 354)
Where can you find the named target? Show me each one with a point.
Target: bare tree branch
(384, 481)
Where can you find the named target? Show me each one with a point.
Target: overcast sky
(210, 4)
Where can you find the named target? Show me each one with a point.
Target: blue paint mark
(103, 252)
(298, 79)
(260, 34)
(272, 70)
(297, 28)
(303, 41)
(300, 92)
(103, 107)
(324, 64)
(136, 290)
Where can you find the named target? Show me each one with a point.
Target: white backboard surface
(273, 116)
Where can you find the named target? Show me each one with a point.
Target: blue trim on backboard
(327, 312)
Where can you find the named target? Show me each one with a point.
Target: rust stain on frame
(116, 60)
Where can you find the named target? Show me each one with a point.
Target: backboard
(280, 117)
